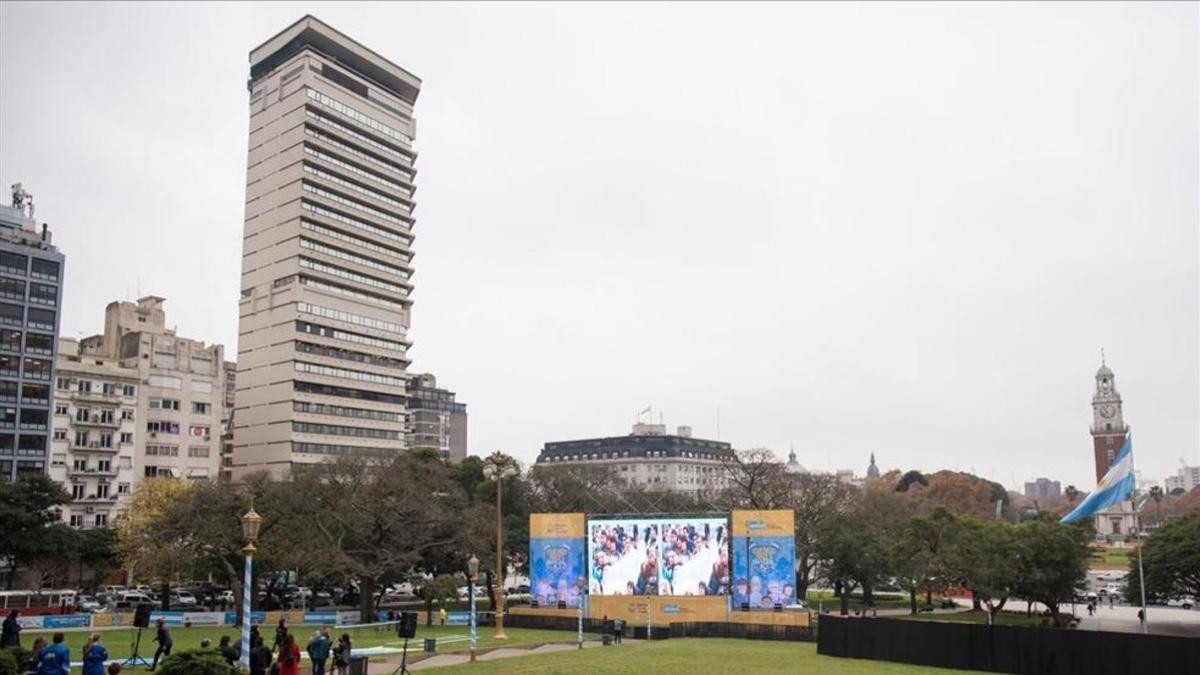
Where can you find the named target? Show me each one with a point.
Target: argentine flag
(1115, 487)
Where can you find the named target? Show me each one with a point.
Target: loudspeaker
(407, 626)
(141, 615)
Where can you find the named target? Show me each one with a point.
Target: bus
(38, 602)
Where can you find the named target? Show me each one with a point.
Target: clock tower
(1108, 422)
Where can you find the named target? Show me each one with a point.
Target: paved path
(1123, 619)
(452, 659)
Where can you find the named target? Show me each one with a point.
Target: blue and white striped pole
(471, 590)
(247, 593)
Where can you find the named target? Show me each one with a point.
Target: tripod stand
(134, 659)
(403, 669)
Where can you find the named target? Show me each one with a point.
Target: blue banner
(67, 621)
(458, 618)
(764, 572)
(555, 565)
(329, 618)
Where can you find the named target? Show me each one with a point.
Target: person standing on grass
(260, 657)
(289, 655)
(341, 655)
(55, 659)
(35, 655)
(442, 616)
(11, 635)
(231, 653)
(280, 631)
(318, 651)
(94, 656)
(163, 638)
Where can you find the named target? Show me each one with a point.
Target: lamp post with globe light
(251, 522)
(473, 575)
(497, 467)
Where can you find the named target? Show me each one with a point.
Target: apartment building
(95, 432)
(226, 472)
(31, 273)
(327, 252)
(649, 458)
(436, 420)
(181, 389)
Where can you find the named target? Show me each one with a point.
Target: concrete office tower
(95, 434)
(31, 274)
(179, 399)
(438, 421)
(327, 252)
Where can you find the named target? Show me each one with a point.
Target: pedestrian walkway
(453, 659)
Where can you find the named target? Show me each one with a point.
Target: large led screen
(556, 561)
(662, 556)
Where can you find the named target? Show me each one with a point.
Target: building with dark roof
(649, 457)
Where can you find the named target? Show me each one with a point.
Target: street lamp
(473, 571)
(251, 522)
(581, 584)
(497, 467)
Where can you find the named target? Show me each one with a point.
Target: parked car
(480, 592)
(1185, 602)
(226, 596)
(87, 603)
(182, 598)
(402, 588)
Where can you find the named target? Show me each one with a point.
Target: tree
(852, 546)
(375, 517)
(96, 549)
(1171, 561)
(27, 505)
(960, 493)
(440, 589)
(813, 499)
(1072, 493)
(985, 557)
(151, 551)
(909, 479)
(1053, 563)
(756, 480)
(917, 554)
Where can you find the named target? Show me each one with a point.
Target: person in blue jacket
(55, 658)
(94, 656)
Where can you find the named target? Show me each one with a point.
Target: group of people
(624, 559)
(320, 648)
(753, 594)
(54, 658)
(691, 558)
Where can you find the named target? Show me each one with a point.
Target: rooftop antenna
(1102, 357)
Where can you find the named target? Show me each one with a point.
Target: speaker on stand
(141, 619)
(406, 628)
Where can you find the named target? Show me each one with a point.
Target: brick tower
(1108, 422)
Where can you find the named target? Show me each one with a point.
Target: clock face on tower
(1107, 411)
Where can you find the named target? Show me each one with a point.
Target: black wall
(1007, 649)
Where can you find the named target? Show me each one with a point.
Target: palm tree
(1156, 493)
(1071, 492)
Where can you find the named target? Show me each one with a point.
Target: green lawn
(1101, 555)
(1002, 619)
(450, 638)
(693, 655)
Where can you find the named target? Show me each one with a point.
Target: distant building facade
(1042, 488)
(872, 470)
(182, 390)
(31, 275)
(649, 458)
(1186, 479)
(226, 471)
(95, 434)
(436, 420)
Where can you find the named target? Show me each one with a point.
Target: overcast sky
(899, 229)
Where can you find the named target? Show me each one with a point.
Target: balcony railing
(92, 471)
(110, 424)
(92, 447)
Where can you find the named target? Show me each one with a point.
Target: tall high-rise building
(31, 274)
(436, 420)
(327, 252)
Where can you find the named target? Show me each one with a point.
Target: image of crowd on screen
(624, 558)
(695, 558)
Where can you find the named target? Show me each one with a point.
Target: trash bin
(430, 645)
(606, 639)
(358, 665)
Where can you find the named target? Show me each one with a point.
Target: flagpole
(1137, 523)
